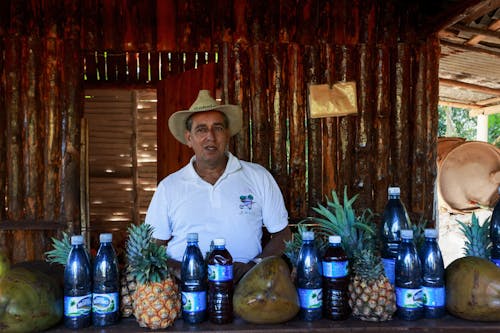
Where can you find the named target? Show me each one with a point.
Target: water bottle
(394, 219)
(77, 286)
(105, 296)
(220, 283)
(335, 281)
(309, 279)
(408, 279)
(495, 233)
(434, 294)
(193, 285)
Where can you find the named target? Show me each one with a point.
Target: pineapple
(156, 300)
(372, 296)
(60, 252)
(477, 236)
(127, 290)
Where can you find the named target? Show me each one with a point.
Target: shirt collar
(233, 165)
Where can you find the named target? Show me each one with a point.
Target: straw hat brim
(177, 121)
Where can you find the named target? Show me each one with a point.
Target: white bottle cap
(394, 190)
(407, 233)
(308, 235)
(105, 238)
(77, 240)
(334, 239)
(219, 242)
(192, 237)
(430, 233)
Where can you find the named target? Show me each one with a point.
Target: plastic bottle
(194, 287)
(220, 283)
(394, 219)
(105, 296)
(77, 286)
(495, 233)
(408, 279)
(434, 293)
(335, 281)
(309, 279)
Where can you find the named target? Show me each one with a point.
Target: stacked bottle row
(91, 292)
(495, 233)
(207, 292)
(322, 283)
(418, 277)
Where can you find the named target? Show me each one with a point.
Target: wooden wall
(268, 53)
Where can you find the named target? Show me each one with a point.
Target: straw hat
(205, 102)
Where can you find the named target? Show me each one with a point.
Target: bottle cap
(219, 241)
(77, 240)
(430, 233)
(394, 190)
(407, 234)
(105, 238)
(308, 235)
(192, 237)
(334, 239)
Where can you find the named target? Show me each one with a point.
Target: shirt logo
(246, 202)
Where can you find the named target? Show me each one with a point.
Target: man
(216, 195)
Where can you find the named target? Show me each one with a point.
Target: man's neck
(210, 173)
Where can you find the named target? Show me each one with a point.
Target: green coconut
(473, 289)
(30, 299)
(266, 294)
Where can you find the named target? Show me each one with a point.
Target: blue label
(409, 298)
(77, 306)
(105, 303)
(220, 272)
(496, 261)
(390, 269)
(194, 301)
(310, 298)
(434, 296)
(335, 269)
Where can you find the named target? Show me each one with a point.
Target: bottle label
(105, 303)
(335, 269)
(409, 298)
(390, 269)
(310, 298)
(434, 296)
(496, 261)
(77, 306)
(194, 301)
(220, 272)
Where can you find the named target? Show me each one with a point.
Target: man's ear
(187, 136)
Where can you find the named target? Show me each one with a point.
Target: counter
(447, 324)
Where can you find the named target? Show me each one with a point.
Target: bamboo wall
(269, 51)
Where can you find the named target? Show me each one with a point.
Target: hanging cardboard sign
(335, 101)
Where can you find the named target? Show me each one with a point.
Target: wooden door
(178, 93)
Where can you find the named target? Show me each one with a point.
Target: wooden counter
(447, 324)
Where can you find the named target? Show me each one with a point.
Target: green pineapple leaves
(60, 252)
(477, 241)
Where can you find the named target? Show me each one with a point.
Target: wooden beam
(486, 110)
(476, 39)
(477, 31)
(470, 86)
(460, 105)
(488, 101)
(470, 48)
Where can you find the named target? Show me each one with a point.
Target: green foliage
(477, 236)
(60, 250)
(494, 129)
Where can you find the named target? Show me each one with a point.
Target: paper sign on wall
(335, 101)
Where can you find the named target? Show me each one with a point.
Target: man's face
(208, 137)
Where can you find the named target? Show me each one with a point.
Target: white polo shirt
(243, 199)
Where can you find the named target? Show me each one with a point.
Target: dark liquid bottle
(309, 279)
(335, 281)
(408, 279)
(220, 283)
(77, 286)
(434, 293)
(394, 219)
(194, 287)
(105, 296)
(495, 233)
